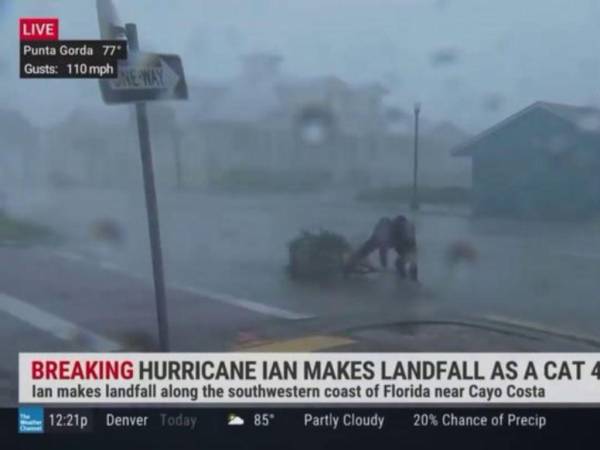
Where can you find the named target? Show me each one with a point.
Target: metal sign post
(151, 205)
(144, 77)
(177, 156)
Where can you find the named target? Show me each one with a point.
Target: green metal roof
(585, 118)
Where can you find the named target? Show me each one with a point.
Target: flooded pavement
(233, 248)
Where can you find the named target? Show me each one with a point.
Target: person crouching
(398, 234)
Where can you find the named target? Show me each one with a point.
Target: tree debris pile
(317, 256)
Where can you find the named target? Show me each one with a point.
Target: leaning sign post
(144, 77)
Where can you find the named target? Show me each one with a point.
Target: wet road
(546, 273)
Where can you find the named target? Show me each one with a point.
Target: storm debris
(444, 57)
(317, 255)
(461, 252)
(107, 230)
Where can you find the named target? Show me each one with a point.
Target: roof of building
(586, 118)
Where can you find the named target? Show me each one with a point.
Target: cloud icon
(233, 419)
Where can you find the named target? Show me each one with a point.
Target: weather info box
(43, 55)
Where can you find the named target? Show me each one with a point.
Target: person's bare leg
(362, 253)
(401, 266)
(383, 252)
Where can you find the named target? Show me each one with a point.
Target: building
(263, 94)
(261, 123)
(91, 147)
(542, 162)
(358, 109)
(19, 149)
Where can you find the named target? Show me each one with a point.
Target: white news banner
(287, 378)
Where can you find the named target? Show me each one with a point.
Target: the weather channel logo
(31, 419)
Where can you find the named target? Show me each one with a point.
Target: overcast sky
(469, 61)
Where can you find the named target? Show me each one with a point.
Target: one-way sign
(144, 77)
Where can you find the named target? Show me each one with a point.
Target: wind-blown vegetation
(317, 256)
(21, 231)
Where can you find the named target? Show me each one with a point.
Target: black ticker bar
(303, 428)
